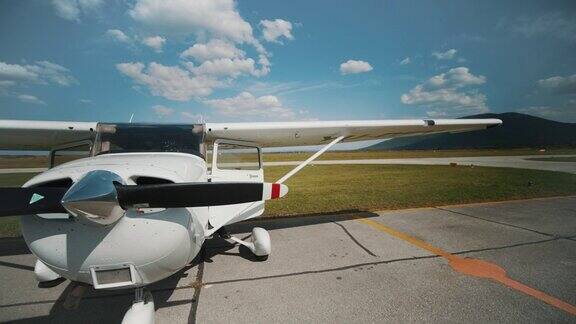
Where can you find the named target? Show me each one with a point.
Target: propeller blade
(177, 195)
(28, 201)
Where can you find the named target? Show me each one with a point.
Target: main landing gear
(142, 310)
(260, 243)
(44, 274)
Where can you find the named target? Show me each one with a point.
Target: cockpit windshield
(125, 138)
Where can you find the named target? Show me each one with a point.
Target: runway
(510, 262)
(521, 162)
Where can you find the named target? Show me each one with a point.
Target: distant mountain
(518, 130)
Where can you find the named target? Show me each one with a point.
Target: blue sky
(224, 60)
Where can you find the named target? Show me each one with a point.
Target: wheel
(141, 312)
(43, 273)
(261, 241)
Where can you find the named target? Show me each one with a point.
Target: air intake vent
(151, 181)
(58, 183)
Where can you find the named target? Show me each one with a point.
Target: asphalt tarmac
(510, 262)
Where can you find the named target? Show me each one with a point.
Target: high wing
(42, 135)
(275, 134)
(46, 135)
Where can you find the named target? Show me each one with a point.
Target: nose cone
(93, 199)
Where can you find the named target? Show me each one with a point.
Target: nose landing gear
(260, 245)
(142, 310)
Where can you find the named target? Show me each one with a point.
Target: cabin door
(235, 161)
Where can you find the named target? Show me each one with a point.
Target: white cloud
(30, 99)
(284, 88)
(455, 78)
(274, 87)
(246, 104)
(550, 24)
(72, 9)
(88, 5)
(448, 55)
(7, 83)
(16, 72)
(155, 42)
(52, 72)
(42, 72)
(170, 82)
(214, 49)
(195, 117)
(353, 67)
(5, 86)
(67, 9)
(226, 67)
(445, 98)
(274, 29)
(118, 35)
(218, 22)
(162, 111)
(86, 101)
(264, 64)
(444, 94)
(406, 61)
(216, 17)
(560, 84)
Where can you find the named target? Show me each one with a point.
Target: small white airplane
(140, 206)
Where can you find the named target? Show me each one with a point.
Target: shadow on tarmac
(80, 303)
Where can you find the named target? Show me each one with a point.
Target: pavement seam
(495, 222)
(354, 239)
(415, 258)
(197, 285)
(506, 246)
(292, 274)
(16, 266)
(379, 262)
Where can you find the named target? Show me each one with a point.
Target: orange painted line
(475, 267)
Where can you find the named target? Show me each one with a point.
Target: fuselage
(150, 244)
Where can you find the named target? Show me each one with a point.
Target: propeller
(175, 195)
(24, 201)
(100, 196)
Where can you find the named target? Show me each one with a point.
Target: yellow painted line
(474, 267)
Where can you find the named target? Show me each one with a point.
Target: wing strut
(310, 159)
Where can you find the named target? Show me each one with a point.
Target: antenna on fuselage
(131, 117)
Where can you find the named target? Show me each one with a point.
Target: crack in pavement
(496, 222)
(197, 285)
(354, 239)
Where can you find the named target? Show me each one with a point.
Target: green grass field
(337, 188)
